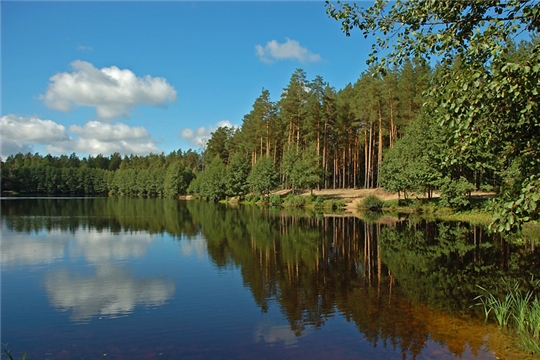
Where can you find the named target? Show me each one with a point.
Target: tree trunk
(366, 159)
(379, 159)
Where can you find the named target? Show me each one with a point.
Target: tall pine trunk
(379, 158)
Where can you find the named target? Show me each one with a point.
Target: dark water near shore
(164, 279)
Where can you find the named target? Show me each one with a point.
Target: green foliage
(318, 201)
(412, 164)
(236, 183)
(290, 158)
(334, 204)
(456, 193)
(100, 175)
(516, 209)
(177, 180)
(307, 172)
(219, 143)
(275, 200)
(297, 201)
(485, 93)
(210, 183)
(373, 203)
(263, 177)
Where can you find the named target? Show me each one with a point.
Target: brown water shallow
(456, 332)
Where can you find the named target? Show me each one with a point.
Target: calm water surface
(163, 279)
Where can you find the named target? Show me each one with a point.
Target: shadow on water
(402, 285)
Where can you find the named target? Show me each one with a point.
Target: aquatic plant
(516, 310)
(8, 353)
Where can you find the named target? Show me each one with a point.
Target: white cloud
(31, 129)
(84, 48)
(24, 134)
(109, 132)
(200, 136)
(20, 134)
(113, 92)
(102, 138)
(290, 49)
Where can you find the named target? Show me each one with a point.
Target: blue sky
(141, 77)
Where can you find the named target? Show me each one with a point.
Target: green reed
(516, 310)
(8, 353)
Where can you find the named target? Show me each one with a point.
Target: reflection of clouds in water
(103, 246)
(23, 249)
(193, 246)
(272, 334)
(94, 246)
(111, 291)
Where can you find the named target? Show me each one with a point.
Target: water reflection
(273, 334)
(97, 247)
(46, 247)
(43, 248)
(404, 286)
(396, 283)
(111, 291)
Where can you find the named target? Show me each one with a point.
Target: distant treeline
(152, 175)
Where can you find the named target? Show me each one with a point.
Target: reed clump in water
(516, 310)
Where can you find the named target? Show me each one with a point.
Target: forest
(452, 109)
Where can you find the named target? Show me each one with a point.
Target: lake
(133, 278)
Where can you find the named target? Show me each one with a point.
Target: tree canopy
(489, 100)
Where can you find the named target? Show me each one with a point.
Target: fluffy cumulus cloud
(20, 134)
(103, 138)
(289, 50)
(200, 135)
(113, 92)
(24, 134)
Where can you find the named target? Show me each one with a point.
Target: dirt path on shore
(352, 197)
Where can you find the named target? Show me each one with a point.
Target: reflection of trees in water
(381, 278)
(443, 264)
(116, 214)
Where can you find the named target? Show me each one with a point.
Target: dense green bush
(372, 203)
(295, 201)
(333, 204)
(275, 200)
(456, 193)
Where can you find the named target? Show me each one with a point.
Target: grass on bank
(515, 310)
(477, 214)
(296, 201)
